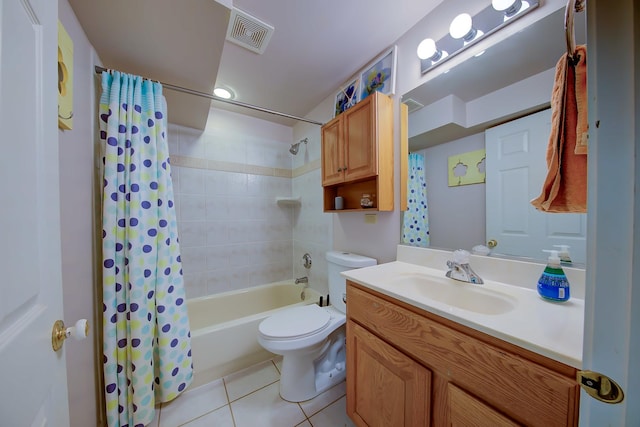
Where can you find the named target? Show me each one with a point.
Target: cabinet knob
(339, 169)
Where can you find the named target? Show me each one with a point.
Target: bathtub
(224, 327)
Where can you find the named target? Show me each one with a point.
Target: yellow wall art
(65, 79)
(467, 168)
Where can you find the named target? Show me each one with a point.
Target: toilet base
(304, 376)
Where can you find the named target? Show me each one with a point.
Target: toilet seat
(295, 323)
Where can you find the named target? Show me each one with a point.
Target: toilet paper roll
(339, 203)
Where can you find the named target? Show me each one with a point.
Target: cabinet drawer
(525, 391)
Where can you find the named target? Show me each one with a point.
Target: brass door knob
(492, 243)
(600, 386)
(60, 332)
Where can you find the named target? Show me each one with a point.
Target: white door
(34, 389)
(612, 314)
(516, 170)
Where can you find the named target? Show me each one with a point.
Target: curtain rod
(100, 70)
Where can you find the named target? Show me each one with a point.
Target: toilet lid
(295, 322)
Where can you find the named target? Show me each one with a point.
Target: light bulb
(222, 93)
(501, 5)
(509, 7)
(427, 48)
(461, 26)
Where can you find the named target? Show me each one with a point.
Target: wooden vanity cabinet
(472, 379)
(390, 388)
(357, 154)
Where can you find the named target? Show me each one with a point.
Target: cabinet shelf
(352, 210)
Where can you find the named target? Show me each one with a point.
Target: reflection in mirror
(449, 115)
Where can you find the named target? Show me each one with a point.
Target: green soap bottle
(553, 284)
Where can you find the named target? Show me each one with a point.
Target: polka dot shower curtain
(415, 227)
(147, 348)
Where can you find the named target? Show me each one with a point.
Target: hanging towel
(565, 187)
(582, 126)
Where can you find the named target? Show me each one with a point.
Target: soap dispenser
(553, 285)
(563, 253)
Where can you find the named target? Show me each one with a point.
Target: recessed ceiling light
(223, 93)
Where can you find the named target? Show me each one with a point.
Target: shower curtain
(146, 337)
(415, 227)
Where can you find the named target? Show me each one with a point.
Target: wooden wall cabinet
(357, 155)
(408, 367)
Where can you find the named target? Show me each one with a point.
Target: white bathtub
(224, 326)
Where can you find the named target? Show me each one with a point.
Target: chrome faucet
(459, 268)
(302, 280)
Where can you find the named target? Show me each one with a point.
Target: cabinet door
(384, 386)
(361, 141)
(465, 410)
(332, 153)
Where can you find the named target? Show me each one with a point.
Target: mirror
(449, 114)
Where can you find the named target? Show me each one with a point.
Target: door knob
(60, 332)
(600, 386)
(492, 243)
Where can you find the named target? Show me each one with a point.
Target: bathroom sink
(465, 296)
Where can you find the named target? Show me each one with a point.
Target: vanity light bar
(485, 22)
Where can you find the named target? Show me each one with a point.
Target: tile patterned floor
(250, 398)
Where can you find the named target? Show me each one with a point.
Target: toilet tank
(341, 261)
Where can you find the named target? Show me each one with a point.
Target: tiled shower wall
(226, 179)
(313, 228)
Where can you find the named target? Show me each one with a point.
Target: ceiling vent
(248, 31)
(412, 104)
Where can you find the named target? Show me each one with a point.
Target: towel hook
(572, 7)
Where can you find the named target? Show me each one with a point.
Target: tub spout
(302, 280)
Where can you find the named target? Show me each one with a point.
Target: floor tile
(248, 380)
(334, 415)
(265, 408)
(218, 418)
(324, 399)
(193, 404)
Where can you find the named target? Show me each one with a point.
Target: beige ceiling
(316, 47)
(164, 40)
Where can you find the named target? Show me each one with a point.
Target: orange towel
(582, 126)
(565, 187)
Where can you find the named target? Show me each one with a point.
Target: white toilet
(311, 339)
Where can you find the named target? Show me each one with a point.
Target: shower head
(294, 147)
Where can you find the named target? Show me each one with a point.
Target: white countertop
(554, 330)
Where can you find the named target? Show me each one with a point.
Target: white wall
(226, 179)
(456, 214)
(312, 227)
(77, 201)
